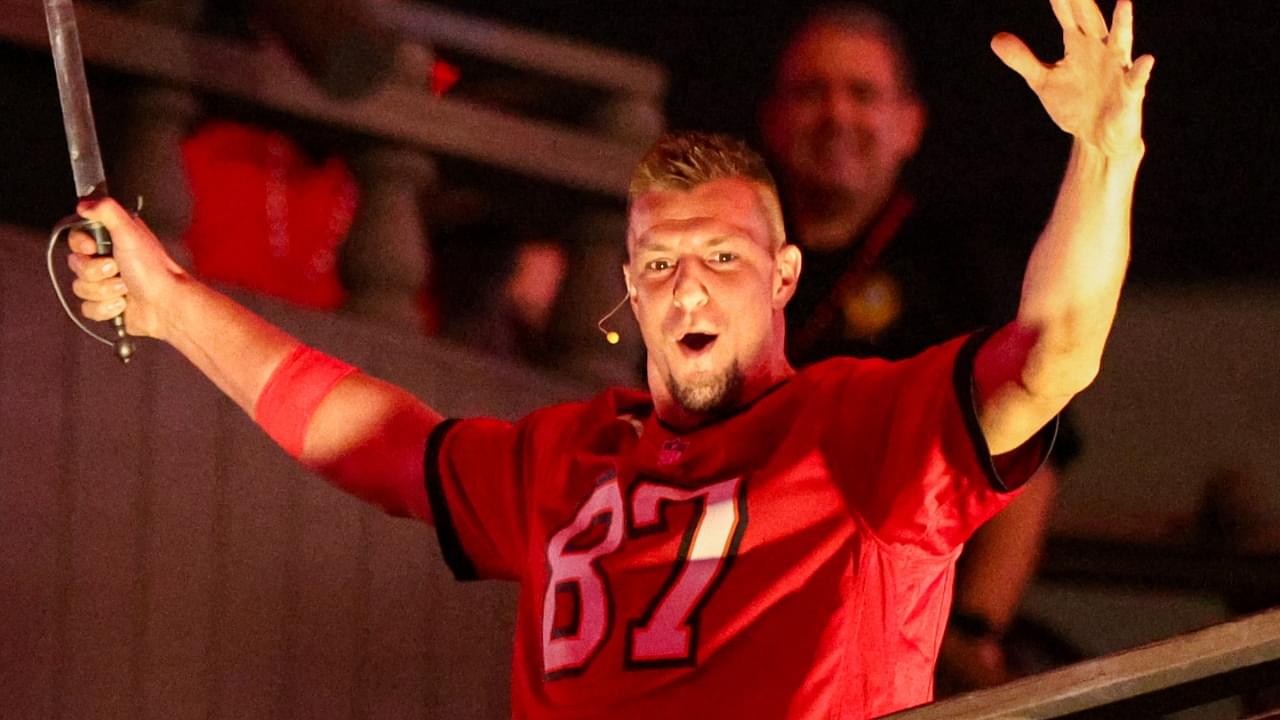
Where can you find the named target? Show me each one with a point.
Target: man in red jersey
(746, 540)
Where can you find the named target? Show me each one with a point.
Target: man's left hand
(1095, 91)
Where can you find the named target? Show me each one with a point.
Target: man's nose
(689, 292)
(839, 107)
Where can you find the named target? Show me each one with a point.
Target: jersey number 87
(666, 634)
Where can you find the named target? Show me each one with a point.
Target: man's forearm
(366, 436)
(232, 346)
(1030, 369)
(1073, 278)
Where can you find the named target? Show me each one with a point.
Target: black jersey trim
(455, 556)
(963, 380)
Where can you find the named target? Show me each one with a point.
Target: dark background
(1206, 208)
(1207, 205)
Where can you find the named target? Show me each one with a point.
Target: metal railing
(401, 110)
(404, 143)
(1183, 672)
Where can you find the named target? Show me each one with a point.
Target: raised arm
(1031, 368)
(365, 435)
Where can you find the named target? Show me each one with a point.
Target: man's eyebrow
(646, 243)
(649, 243)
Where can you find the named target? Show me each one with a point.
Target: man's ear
(913, 118)
(626, 278)
(786, 275)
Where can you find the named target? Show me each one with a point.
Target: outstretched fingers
(1066, 18)
(1137, 72)
(1089, 19)
(1140, 73)
(1122, 29)
(1015, 53)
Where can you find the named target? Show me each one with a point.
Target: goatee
(714, 395)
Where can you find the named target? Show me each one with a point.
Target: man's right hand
(135, 278)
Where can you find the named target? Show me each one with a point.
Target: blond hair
(682, 161)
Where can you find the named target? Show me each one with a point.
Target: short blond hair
(681, 161)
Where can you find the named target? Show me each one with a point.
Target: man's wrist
(1111, 158)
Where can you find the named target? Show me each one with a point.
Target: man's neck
(827, 221)
(676, 417)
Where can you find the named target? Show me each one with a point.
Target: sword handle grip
(100, 236)
(122, 343)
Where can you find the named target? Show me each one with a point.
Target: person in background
(887, 276)
(494, 289)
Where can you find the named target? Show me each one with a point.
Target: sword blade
(73, 91)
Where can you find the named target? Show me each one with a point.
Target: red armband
(293, 392)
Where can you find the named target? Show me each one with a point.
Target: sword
(86, 158)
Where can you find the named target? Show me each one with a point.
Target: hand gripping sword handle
(122, 343)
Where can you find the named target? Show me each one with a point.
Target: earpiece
(612, 336)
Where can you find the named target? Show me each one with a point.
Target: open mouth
(697, 342)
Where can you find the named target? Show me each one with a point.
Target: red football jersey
(793, 560)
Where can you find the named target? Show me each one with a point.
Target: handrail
(398, 111)
(573, 61)
(1247, 647)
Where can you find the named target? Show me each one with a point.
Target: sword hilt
(123, 343)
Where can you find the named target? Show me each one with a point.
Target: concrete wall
(1189, 389)
(160, 558)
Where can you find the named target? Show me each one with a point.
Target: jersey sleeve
(921, 473)
(476, 474)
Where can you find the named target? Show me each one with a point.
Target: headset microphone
(612, 336)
